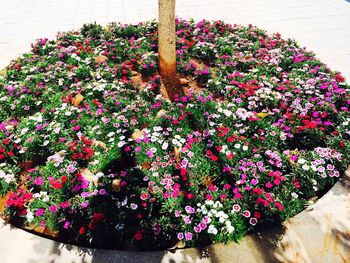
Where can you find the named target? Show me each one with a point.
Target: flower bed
(91, 153)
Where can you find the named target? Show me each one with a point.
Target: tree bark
(167, 48)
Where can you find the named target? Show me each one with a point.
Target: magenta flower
(39, 212)
(188, 236)
(53, 208)
(39, 181)
(66, 225)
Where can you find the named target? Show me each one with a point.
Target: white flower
(212, 230)
(245, 148)
(230, 229)
(295, 195)
(29, 216)
(306, 167)
(157, 128)
(121, 144)
(133, 206)
(165, 146)
(301, 161)
(24, 131)
(209, 202)
(110, 134)
(7, 177)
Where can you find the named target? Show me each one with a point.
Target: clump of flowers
(91, 151)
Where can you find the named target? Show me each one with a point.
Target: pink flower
(76, 128)
(66, 225)
(236, 207)
(189, 209)
(188, 236)
(53, 208)
(279, 206)
(268, 185)
(39, 181)
(246, 213)
(144, 196)
(180, 236)
(40, 212)
(149, 153)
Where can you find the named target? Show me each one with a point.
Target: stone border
(321, 234)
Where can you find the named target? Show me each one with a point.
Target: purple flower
(85, 194)
(156, 229)
(180, 236)
(294, 158)
(102, 192)
(149, 153)
(254, 182)
(177, 213)
(84, 204)
(66, 225)
(39, 181)
(188, 236)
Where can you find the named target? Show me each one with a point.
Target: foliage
(89, 148)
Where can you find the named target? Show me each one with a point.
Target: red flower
(97, 217)
(258, 191)
(212, 187)
(64, 179)
(262, 201)
(339, 78)
(209, 197)
(138, 235)
(257, 215)
(82, 230)
(296, 183)
(56, 184)
(214, 158)
(190, 196)
(279, 206)
(230, 139)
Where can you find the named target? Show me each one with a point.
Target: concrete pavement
(319, 234)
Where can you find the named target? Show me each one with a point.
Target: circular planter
(259, 128)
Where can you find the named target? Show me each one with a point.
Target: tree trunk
(167, 48)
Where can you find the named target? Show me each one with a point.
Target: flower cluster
(91, 150)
